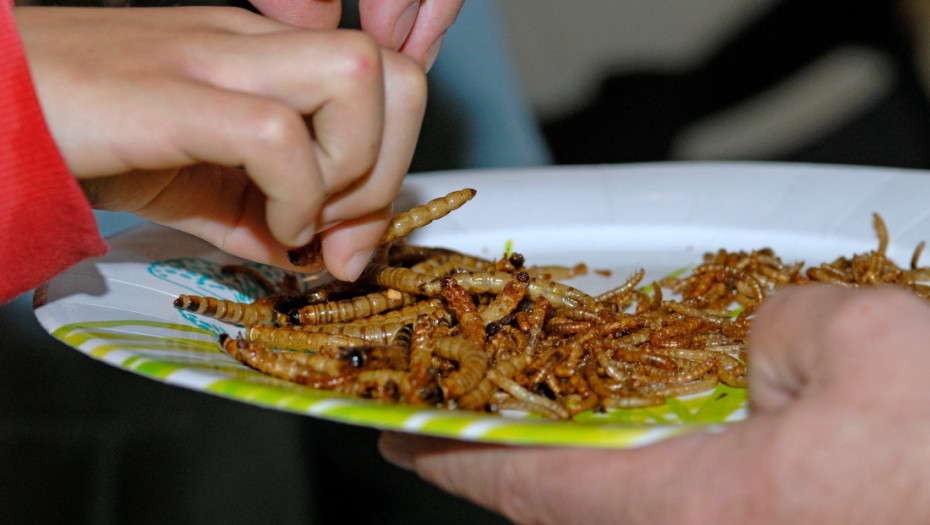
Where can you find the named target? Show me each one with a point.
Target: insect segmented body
(227, 311)
(306, 368)
(300, 340)
(461, 305)
(506, 302)
(472, 364)
(349, 309)
(419, 216)
(397, 278)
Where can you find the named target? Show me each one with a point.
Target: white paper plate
(661, 217)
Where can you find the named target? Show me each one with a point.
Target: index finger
(312, 14)
(415, 28)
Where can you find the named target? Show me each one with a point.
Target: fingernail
(327, 226)
(404, 24)
(356, 264)
(433, 52)
(305, 236)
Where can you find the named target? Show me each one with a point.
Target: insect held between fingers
(419, 216)
(400, 225)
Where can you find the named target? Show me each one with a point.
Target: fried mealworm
(397, 278)
(481, 282)
(349, 309)
(556, 272)
(507, 300)
(537, 403)
(300, 340)
(227, 311)
(401, 224)
(310, 369)
(419, 216)
(472, 365)
(463, 308)
(916, 256)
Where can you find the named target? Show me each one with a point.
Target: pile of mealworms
(432, 326)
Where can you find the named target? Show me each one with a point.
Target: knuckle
(278, 127)
(407, 82)
(360, 59)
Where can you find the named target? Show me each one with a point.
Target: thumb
(808, 337)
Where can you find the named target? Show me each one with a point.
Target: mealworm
(557, 273)
(472, 365)
(881, 231)
(481, 282)
(537, 403)
(349, 309)
(301, 340)
(916, 255)
(227, 311)
(461, 305)
(309, 369)
(419, 216)
(397, 278)
(507, 300)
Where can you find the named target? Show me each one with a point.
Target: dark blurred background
(519, 83)
(795, 80)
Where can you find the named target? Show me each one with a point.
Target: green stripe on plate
(525, 433)
(78, 334)
(269, 395)
(159, 369)
(63, 330)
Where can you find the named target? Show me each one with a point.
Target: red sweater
(46, 223)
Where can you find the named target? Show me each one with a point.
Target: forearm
(46, 224)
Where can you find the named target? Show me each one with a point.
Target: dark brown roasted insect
(431, 326)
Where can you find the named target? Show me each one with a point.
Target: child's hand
(155, 109)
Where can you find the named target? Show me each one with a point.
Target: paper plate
(661, 217)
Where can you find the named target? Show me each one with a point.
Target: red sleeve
(46, 223)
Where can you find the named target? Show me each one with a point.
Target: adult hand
(414, 27)
(838, 434)
(156, 110)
